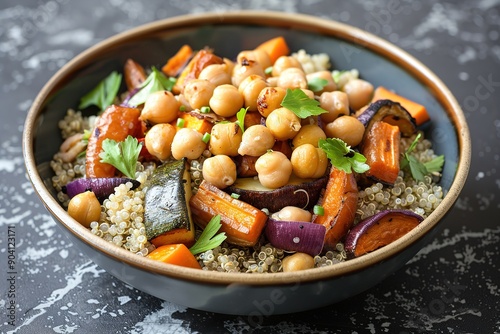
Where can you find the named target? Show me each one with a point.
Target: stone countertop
(451, 285)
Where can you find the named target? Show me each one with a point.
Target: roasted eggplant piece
(390, 112)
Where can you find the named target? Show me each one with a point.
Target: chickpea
(218, 74)
(359, 93)
(250, 89)
(283, 123)
(85, 208)
(198, 92)
(219, 170)
(259, 56)
(226, 100)
(347, 128)
(292, 78)
(292, 213)
(225, 139)
(244, 69)
(309, 134)
(187, 143)
(326, 75)
(274, 169)
(269, 99)
(256, 140)
(284, 62)
(159, 139)
(160, 107)
(298, 261)
(336, 103)
(309, 161)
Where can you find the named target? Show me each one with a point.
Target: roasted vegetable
(102, 187)
(167, 216)
(303, 193)
(202, 123)
(390, 112)
(176, 63)
(380, 147)
(296, 236)
(339, 202)
(116, 123)
(241, 222)
(134, 75)
(379, 230)
(177, 254)
(417, 111)
(198, 62)
(275, 48)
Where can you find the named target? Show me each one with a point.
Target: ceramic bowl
(256, 296)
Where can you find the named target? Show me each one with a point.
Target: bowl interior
(153, 46)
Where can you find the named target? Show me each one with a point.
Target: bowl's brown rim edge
(262, 18)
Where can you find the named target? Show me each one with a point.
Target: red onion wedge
(296, 236)
(102, 187)
(379, 230)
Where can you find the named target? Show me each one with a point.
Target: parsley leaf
(300, 104)
(417, 168)
(240, 116)
(317, 84)
(155, 81)
(104, 93)
(342, 156)
(208, 239)
(122, 155)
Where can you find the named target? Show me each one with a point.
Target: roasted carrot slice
(116, 123)
(176, 63)
(200, 60)
(339, 203)
(275, 48)
(242, 222)
(417, 111)
(134, 74)
(380, 146)
(177, 254)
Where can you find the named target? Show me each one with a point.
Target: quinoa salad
(220, 150)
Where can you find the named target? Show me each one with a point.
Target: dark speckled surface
(452, 285)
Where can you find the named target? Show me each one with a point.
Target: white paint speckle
(92, 301)
(124, 299)
(63, 253)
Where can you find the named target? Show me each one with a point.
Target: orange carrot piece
(388, 229)
(177, 62)
(178, 235)
(116, 123)
(134, 74)
(195, 121)
(177, 254)
(380, 146)
(242, 222)
(275, 48)
(192, 70)
(339, 203)
(417, 111)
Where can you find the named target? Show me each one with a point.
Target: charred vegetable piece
(296, 236)
(167, 216)
(134, 75)
(177, 254)
(116, 123)
(339, 203)
(416, 110)
(379, 230)
(275, 48)
(202, 123)
(380, 147)
(176, 63)
(302, 193)
(102, 187)
(192, 70)
(390, 112)
(242, 222)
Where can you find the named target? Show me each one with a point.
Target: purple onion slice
(101, 186)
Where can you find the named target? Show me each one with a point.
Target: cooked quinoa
(122, 214)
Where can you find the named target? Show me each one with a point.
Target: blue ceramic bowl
(257, 296)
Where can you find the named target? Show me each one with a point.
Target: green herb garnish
(317, 84)
(156, 81)
(301, 104)
(208, 240)
(343, 156)
(418, 169)
(336, 76)
(319, 210)
(122, 155)
(240, 116)
(104, 93)
(85, 140)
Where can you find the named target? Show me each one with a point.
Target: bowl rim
(302, 22)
